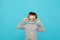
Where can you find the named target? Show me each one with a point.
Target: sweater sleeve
(21, 25)
(40, 27)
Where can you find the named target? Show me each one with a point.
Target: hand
(37, 20)
(25, 19)
(42, 30)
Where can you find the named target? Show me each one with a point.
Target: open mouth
(32, 21)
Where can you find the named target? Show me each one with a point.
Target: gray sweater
(30, 30)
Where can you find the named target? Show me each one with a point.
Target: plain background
(13, 11)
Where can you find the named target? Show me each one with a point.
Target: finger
(37, 20)
(26, 18)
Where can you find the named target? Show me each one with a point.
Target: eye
(31, 19)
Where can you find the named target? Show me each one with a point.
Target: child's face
(32, 18)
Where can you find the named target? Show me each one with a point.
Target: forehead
(32, 16)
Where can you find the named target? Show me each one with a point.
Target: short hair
(32, 13)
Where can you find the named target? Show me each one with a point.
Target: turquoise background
(13, 11)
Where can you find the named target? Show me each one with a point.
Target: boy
(31, 28)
